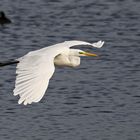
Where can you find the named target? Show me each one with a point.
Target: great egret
(4, 19)
(35, 69)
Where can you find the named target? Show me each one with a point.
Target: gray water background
(99, 100)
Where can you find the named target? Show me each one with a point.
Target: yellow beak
(89, 54)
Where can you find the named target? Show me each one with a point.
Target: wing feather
(33, 75)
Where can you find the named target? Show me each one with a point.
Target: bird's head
(2, 14)
(78, 52)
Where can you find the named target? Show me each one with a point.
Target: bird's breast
(64, 60)
(61, 60)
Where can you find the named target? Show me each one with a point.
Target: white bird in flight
(35, 69)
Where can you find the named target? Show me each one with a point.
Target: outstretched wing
(98, 44)
(72, 43)
(33, 74)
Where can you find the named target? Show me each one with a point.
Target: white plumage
(35, 69)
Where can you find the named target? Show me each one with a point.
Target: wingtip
(25, 103)
(20, 101)
(98, 44)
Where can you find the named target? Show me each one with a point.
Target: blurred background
(98, 100)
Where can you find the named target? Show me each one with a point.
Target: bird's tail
(10, 62)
